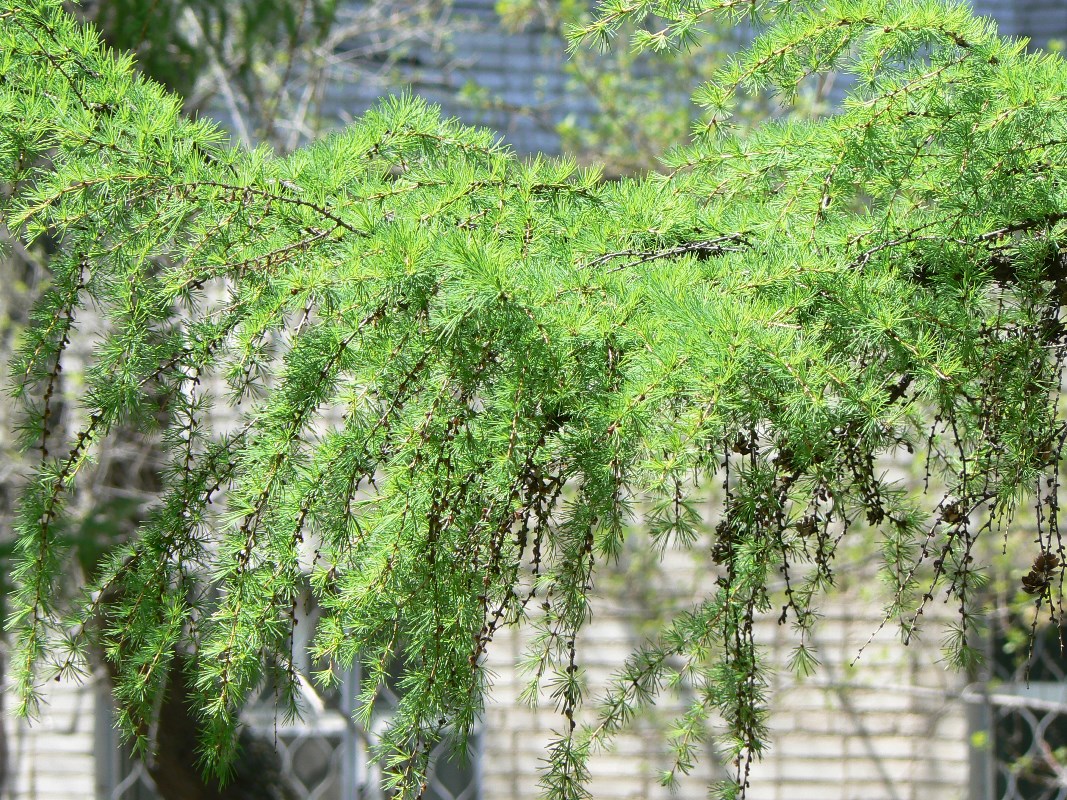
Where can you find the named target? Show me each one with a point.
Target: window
(1020, 717)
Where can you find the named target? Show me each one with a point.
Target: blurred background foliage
(643, 101)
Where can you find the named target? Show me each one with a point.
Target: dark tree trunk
(257, 771)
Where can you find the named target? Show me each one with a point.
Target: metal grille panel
(1021, 736)
(325, 755)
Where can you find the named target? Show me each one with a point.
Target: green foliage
(443, 381)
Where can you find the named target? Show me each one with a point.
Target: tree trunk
(257, 770)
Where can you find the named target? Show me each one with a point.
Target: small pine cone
(1046, 562)
(1034, 583)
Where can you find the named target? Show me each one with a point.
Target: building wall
(54, 758)
(891, 728)
(1038, 20)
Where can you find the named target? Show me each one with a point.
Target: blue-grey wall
(1038, 20)
(524, 70)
